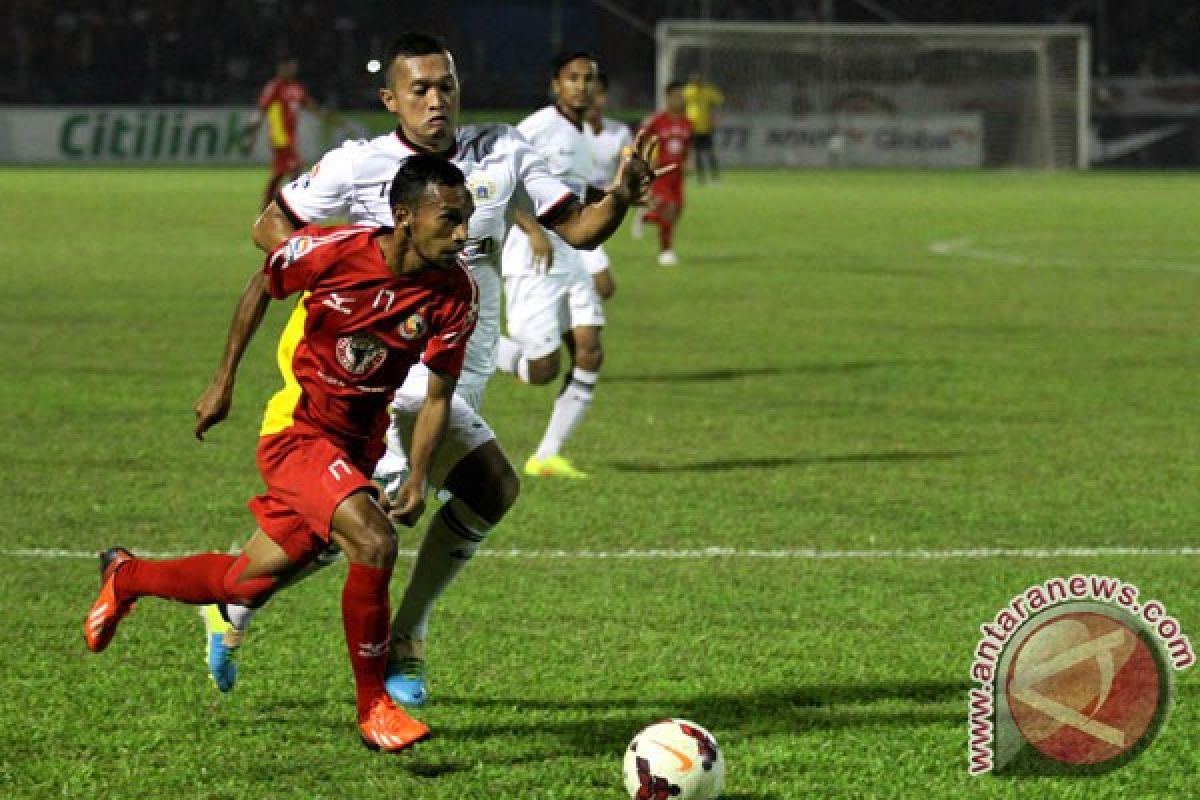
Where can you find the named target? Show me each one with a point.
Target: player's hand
(408, 503)
(212, 406)
(634, 173)
(543, 251)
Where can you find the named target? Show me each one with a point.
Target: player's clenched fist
(212, 407)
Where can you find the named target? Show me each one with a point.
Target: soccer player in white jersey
(608, 138)
(422, 91)
(548, 307)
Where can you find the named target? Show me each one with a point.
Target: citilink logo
(1074, 676)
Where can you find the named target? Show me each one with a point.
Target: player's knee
(589, 356)
(486, 482)
(495, 497)
(544, 370)
(373, 545)
(371, 542)
(252, 592)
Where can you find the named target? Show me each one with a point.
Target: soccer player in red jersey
(376, 300)
(279, 105)
(422, 91)
(674, 133)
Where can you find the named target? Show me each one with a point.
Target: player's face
(575, 83)
(599, 101)
(438, 224)
(422, 92)
(675, 102)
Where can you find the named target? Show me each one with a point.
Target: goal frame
(673, 34)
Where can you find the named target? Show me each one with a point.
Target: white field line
(965, 247)
(801, 554)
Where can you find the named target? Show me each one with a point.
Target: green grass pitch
(843, 361)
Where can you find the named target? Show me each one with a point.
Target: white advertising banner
(850, 140)
(158, 135)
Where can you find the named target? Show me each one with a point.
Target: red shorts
(307, 477)
(667, 190)
(285, 161)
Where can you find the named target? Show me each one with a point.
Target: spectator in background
(279, 105)
(699, 98)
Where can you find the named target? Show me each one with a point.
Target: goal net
(888, 95)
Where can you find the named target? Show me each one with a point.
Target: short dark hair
(566, 57)
(417, 173)
(602, 79)
(414, 44)
(673, 85)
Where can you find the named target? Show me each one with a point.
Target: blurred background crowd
(221, 51)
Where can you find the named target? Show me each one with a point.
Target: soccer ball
(674, 760)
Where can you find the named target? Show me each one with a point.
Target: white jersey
(353, 181)
(565, 148)
(606, 145)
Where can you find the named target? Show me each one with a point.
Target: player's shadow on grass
(736, 373)
(604, 725)
(777, 462)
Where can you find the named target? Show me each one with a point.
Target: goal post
(888, 95)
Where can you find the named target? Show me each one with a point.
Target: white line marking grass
(967, 247)
(800, 554)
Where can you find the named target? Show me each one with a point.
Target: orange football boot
(386, 727)
(107, 611)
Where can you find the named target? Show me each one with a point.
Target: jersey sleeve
(454, 323)
(299, 261)
(268, 94)
(322, 193)
(548, 194)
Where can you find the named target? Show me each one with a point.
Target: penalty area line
(800, 554)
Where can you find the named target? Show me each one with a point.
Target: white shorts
(594, 261)
(541, 308)
(466, 431)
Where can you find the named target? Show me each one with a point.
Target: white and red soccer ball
(674, 760)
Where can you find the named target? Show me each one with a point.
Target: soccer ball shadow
(601, 725)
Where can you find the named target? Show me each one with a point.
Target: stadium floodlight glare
(1022, 89)
(374, 66)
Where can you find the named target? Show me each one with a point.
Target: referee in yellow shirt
(699, 97)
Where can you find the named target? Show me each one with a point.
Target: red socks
(665, 231)
(195, 579)
(200, 579)
(367, 621)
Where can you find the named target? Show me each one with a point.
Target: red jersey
(280, 102)
(674, 137)
(357, 330)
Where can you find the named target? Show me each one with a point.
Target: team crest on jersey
(296, 248)
(360, 353)
(412, 328)
(482, 189)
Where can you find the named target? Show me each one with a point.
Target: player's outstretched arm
(409, 502)
(588, 226)
(271, 228)
(214, 403)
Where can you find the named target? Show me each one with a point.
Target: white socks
(239, 616)
(510, 360)
(453, 536)
(569, 408)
